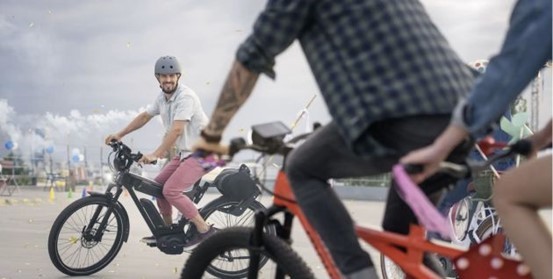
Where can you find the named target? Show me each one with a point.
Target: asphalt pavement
(27, 215)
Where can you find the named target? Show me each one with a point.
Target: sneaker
(149, 240)
(199, 237)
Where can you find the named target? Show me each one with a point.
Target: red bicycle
(255, 254)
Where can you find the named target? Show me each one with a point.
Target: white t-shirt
(184, 104)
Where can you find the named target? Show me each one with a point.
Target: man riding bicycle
(390, 81)
(183, 117)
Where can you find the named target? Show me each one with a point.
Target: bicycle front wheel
(72, 245)
(389, 269)
(230, 249)
(459, 217)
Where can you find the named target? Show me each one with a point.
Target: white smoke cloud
(6, 114)
(65, 135)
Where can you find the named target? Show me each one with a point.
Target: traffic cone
(70, 193)
(52, 194)
(84, 192)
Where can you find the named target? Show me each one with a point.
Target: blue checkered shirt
(372, 59)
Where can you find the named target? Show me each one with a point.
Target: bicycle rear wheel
(229, 250)
(225, 213)
(389, 269)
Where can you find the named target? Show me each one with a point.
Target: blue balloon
(76, 158)
(50, 149)
(8, 145)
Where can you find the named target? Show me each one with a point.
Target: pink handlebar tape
(427, 214)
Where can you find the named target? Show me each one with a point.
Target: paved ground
(26, 218)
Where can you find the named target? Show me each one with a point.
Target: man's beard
(169, 91)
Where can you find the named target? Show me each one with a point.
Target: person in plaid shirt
(390, 81)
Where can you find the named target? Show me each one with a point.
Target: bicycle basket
(236, 184)
(483, 184)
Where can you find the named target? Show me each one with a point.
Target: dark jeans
(325, 155)
(457, 193)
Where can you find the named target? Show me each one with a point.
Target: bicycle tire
(389, 269)
(66, 238)
(460, 218)
(236, 239)
(224, 220)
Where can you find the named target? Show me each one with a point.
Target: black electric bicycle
(88, 234)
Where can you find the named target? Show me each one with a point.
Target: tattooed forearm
(237, 89)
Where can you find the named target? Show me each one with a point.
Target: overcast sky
(74, 71)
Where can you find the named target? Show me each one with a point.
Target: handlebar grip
(413, 168)
(522, 147)
(235, 145)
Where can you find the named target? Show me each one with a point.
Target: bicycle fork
(283, 232)
(88, 232)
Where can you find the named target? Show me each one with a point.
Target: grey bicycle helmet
(167, 65)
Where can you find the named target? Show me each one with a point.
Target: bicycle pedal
(149, 242)
(152, 244)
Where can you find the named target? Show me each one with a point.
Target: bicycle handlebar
(522, 147)
(124, 157)
(276, 146)
(425, 211)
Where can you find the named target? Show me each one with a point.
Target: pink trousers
(178, 176)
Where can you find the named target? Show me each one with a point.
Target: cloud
(91, 52)
(78, 70)
(6, 125)
(474, 28)
(35, 133)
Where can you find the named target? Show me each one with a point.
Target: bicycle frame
(406, 251)
(410, 258)
(385, 242)
(129, 181)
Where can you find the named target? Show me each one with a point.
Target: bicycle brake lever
(413, 168)
(456, 170)
(521, 147)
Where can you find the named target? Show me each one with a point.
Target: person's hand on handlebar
(540, 139)
(216, 148)
(113, 137)
(148, 159)
(431, 156)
